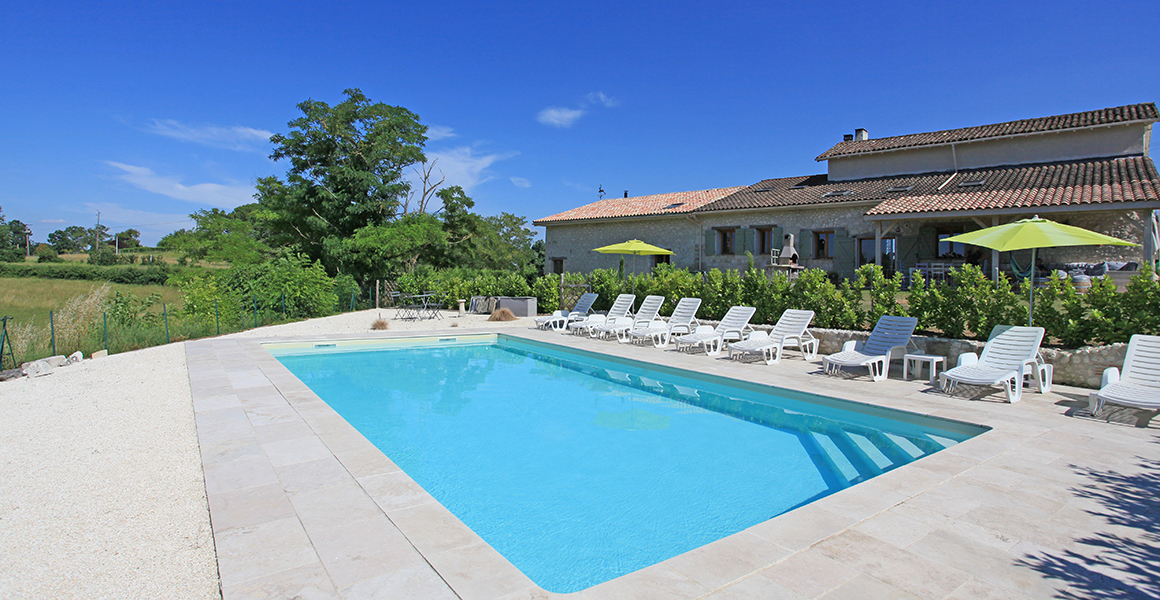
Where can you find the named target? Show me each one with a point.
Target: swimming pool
(579, 467)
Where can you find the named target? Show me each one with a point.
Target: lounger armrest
(1111, 375)
(968, 358)
(851, 345)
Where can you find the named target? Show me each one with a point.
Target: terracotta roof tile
(1132, 179)
(1106, 116)
(656, 204)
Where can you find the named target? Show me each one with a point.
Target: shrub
(883, 292)
(833, 306)
(546, 289)
(47, 254)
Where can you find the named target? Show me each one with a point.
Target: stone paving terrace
(1049, 503)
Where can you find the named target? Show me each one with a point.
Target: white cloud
(151, 225)
(600, 98)
(521, 183)
(213, 194)
(439, 132)
(53, 221)
(238, 138)
(559, 117)
(462, 167)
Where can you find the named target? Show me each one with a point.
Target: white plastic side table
(931, 360)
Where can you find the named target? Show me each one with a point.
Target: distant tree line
(16, 241)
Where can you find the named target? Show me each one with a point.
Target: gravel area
(101, 487)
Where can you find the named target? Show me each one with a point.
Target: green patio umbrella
(635, 248)
(1032, 234)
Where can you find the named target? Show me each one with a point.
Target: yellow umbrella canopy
(632, 247)
(1031, 234)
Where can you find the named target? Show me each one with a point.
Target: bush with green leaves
(673, 284)
(834, 306)
(884, 292)
(546, 289)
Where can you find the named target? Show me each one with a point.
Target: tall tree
(346, 173)
(130, 238)
(9, 250)
(69, 239)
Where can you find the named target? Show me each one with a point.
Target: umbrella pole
(1031, 294)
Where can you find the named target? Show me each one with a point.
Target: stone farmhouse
(891, 200)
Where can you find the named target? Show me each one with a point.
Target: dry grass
(28, 299)
(380, 324)
(503, 314)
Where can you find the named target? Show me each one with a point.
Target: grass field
(31, 297)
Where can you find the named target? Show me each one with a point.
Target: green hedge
(153, 275)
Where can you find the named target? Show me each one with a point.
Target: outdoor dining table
(418, 306)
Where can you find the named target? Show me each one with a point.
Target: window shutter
(776, 238)
(805, 243)
(928, 243)
(710, 243)
(844, 253)
(748, 239)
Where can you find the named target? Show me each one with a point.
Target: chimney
(849, 137)
(625, 193)
(861, 135)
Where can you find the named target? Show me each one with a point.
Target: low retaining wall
(1083, 367)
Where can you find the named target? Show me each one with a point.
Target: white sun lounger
(889, 340)
(1139, 384)
(561, 318)
(622, 307)
(790, 330)
(682, 321)
(734, 326)
(623, 326)
(1009, 357)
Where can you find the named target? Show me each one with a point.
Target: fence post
(165, 313)
(377, 293)
(105, 317)
(255, 311)
(52, 330)
(216, 317)
(3, 339)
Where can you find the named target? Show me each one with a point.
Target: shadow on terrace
(1123, 561)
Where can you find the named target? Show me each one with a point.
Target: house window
(765, 240)
(889, 253)
(823, 244)
(558, 266)
(950, 249)
(727, 237)
(660, 259)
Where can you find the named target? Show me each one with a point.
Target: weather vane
(601, 190)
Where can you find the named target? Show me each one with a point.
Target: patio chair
(1010, 356)
(889, 340)
(790, 330)
(560, 318)
(683, 320)
(1139, 384)
(622, 307)
(733, 326)
(624, 326)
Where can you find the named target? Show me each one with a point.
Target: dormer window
(674, 205)
(900, 188)
(837, 193)
(973, 183)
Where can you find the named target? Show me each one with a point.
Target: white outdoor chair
(733, 326)
(624, 326)
(682, 321)
(1139, 384)
(791, 330)
(889, 340)
(622, 307)
(561, 318)
(1010, 356)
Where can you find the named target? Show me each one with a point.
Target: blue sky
(148, 112)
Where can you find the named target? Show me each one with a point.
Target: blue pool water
(579, 469)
